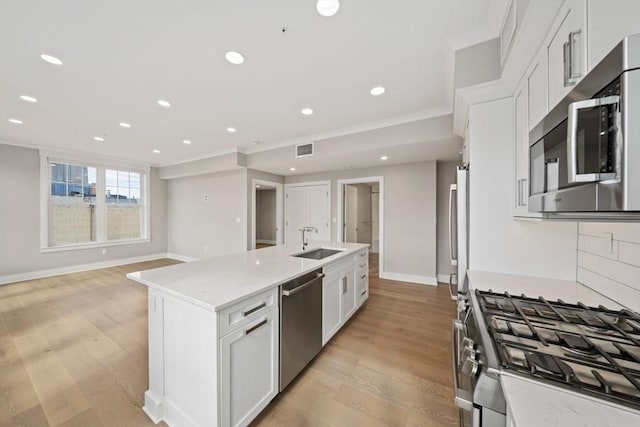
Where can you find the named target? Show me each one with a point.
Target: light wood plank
(73, 352)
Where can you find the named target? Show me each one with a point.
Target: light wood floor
(73, 352)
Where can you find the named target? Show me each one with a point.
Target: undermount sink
(320, 253)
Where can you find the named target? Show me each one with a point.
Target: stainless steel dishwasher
(300, 324)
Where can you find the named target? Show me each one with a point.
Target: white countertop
(533, 403)
(215, 283)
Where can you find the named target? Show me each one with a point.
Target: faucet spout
(305, 240)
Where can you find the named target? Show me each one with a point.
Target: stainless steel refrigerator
(458, 231)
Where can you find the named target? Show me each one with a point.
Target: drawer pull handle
(254, 309)
(364, 291)
(363, 276)
(248, 331)
(363, 254)
(363, 264)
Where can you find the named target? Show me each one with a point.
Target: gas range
(591, 350)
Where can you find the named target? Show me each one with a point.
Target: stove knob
(462, 305)
(468, 352)
(470, 367)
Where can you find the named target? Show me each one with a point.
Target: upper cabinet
(536, 79)
(609, 22)
(566, 49)
(521, 101)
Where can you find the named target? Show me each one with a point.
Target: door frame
(340, 212)
(279, 209)
(307, 184)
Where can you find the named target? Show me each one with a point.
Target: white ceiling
(120, 57)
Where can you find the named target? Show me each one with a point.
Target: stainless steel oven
(585, 154)
(478, 393)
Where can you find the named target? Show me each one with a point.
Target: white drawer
(363, 263)
(363, 274)
(243, 312)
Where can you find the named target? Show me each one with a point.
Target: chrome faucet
(305, 239)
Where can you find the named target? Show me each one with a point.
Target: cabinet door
(248, 370)
(567, 50)
(537, 89)
(521, 193)
(465, 144)
(609, 22)
(349, 294)
(331, 306)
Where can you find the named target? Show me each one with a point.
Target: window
(86, 203)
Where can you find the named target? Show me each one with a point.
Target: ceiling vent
(304, 150)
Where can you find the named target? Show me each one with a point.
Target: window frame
(101, 165)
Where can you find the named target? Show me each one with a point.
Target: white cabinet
(342, 292)
(609, 22)
(465, 144)
(248, 370)
(349, 293)
(521, 193)
(567, 50)
(331, 306)
(536, 78)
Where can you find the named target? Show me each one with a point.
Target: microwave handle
(572, 140)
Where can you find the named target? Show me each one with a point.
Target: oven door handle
(461, 397)
(573, 176)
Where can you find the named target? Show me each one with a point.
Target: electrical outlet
(206, 197)
(206, 248)
(237, 220)
(104, 251)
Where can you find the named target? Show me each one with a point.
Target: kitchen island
(214, 328)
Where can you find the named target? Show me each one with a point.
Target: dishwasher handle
(297, 289)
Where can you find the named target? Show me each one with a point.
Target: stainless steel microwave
(584, 156)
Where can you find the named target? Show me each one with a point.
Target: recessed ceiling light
(384, 158)
(51, 59)
(163, 103)
(186, 141)
(98, 138)
(234, 57)
(156, 151)
(28, 98)
(257, 185)
(307, 111)
(231, 130)
(328, 7)
(125, 125)
(378, 90)
(16, 121)
(292, 169)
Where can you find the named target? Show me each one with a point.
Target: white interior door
(350, 213)
(318, 211)
(307, 206)
(296, 212)
(364, 214)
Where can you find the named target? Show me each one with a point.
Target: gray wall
(219, 223)
(266, 215)
(409, 213)
(20, 219)
(446, 176)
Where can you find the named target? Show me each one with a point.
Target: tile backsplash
(609, 260)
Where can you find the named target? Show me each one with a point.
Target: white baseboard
(268, 242)
(412, 278)
(31, 275)
(443, 278)
(182, 258)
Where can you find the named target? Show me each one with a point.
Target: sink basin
(319, 253)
